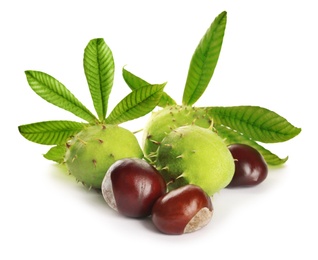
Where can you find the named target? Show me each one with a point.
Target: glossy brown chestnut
(250, 166)
(183, 210)
(131, 186)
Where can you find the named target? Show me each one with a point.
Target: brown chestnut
(131, 186)
(183, 210)
(250, 166)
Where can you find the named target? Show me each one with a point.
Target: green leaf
(57, 94)
(204, 60)
(255, 122)
(56, 153)
(134, 82)
(231, 136)
(50, 132)
(99, 70)
(136, 104)
(166, 100)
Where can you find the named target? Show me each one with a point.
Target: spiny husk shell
(162, 122)
(92, 151)
(195, 155)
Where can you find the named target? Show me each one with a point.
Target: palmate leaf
(255, 122)
(136, 104)
(204, 60)
(57, 94)
(99, 70)
(50, 132)
(134, 82)
(231, 136)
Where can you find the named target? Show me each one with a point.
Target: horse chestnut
(131, 186)
(250, 166)
(182, 210)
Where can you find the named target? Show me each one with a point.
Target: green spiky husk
(195, 155)
(92, 151)
(162, 122)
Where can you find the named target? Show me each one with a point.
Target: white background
(269, 58)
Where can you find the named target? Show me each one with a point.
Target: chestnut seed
(183, 210)
(250, 166)
(131, 186)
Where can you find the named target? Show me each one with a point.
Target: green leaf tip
(134, 82)
(50, 132)
(204, 60)
(99, 70)
(258, 123)
(54, 92)
(56, 153)
(136, 104)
